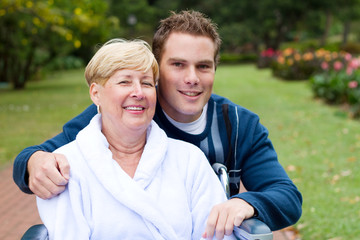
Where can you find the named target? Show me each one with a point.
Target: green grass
(317, 144)
(30, 116)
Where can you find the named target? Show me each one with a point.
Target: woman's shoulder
(181, 145)
(72, 154)
(185, 151)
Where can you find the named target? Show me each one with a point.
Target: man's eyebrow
(205, 61)
(176, 59)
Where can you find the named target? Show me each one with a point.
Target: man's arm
(50, 174)
(269, 189)
(271, 195)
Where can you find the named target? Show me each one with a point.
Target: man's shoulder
(220, 100)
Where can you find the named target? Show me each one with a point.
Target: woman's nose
(137, 91)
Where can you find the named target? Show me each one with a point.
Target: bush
(352, 47)
(312, 45)
(354, 96)
(302, 46)
(292, 64)
(330, 86)
(267, 57)
(65, 63)
(339, 83)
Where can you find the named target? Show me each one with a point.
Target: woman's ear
(94, 91)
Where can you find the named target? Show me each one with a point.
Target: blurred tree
(324, 8)
(349, 11)
(324, 15)
(137, 18)
(272, 21)
(246, 22)
(32, 33)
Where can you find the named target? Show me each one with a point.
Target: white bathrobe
(170, 196)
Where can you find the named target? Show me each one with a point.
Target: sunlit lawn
(317, 144)
(30, 116)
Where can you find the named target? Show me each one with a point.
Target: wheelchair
(250, 229)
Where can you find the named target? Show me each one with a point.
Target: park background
(295, 63)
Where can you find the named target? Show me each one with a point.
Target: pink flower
(338, 65)
(268, 52)
(324, 66)
(354, 63)
(348, 56)
(349, 70)
(353, 84)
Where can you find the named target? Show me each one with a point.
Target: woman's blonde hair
(118, 54)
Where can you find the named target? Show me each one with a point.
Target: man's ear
(94, 91)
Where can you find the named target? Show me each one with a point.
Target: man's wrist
(256, 213)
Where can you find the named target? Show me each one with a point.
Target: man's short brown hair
(190, 22)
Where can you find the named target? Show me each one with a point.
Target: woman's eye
(150, 84)
(123, 82)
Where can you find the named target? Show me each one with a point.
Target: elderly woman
(128, 179)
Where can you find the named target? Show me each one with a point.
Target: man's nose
(192, 76)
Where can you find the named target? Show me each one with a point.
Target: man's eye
(204, 66)
(178, 64)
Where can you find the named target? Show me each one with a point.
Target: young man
(186, 46)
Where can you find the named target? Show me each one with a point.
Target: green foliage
(267, 57)
(65, 63)
(136, 18)
(312, 45)
(228, 58)
(351, 47)
(236, 37)
(291, 64)
(339, 85)
(32, 33)
(302, 46)
(330, 86)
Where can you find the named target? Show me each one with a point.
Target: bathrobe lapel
(130, 192)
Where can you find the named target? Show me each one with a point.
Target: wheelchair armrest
(36, 232)
(253, 229)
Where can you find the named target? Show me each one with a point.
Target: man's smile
(190, 94)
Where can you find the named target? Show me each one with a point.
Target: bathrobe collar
(129, 191)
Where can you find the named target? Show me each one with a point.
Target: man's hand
(223, 217)
(48, 174)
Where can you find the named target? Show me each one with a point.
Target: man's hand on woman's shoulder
(48, 174)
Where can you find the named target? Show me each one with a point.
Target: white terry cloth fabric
(170, 196)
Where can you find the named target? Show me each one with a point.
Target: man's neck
(194, 127)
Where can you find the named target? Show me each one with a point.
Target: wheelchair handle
(221, 171)
(250, 229)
